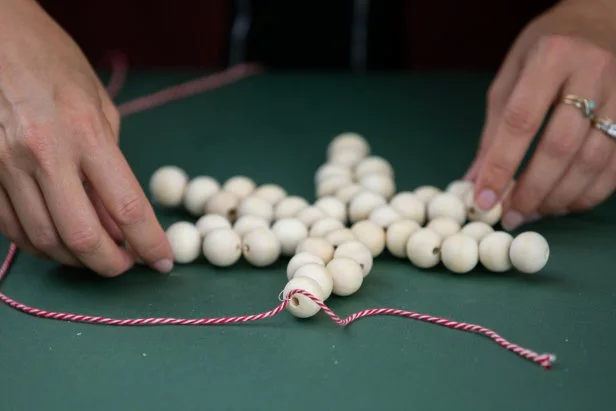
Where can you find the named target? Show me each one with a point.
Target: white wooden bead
(240, 186)
(374, 164)
(426, 193)
(185, 241)
(447, 205)
(257, 207)
(459, 188)
(477, 229)
(301, 259)
(491, 216)
(460, 253)
(444, 226)
(529, 252)
(357, 251)
(224, 204)
(340, 236)
(222, 247)
(209, 222)
(348, 141)
(310, 215)
(300, 305)
(167, 186)
(289, 207)
(260, 247)
(346, 274)
(346, 158)
(197, 193)
(332, 207)
(362, 205)
(290, 232)
(317, 246)
(272, 193)
(319, 274)
(328, 170)
(409, 205)
(346, 193)
(424, 248)
(398, 234)
(378, 183)
(372, 235)
(247, 223)
(323, 227)
(494, 251)
(384, 216)
(330, 185)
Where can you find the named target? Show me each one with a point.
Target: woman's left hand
(570, 49)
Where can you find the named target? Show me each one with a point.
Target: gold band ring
(587, 106)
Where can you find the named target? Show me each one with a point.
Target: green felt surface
(275, 129)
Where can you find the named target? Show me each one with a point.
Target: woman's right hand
(66, 190)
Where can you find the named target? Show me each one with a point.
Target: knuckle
(131, 210)
(555, 46)
(520, 119)
(87, 126)
(561, 146)
(84, 241)
(39, 145)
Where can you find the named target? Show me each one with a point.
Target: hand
(66, 191)
(568, 50)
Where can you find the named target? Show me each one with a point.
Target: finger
(111, 113)
(600, 190)
(120, 192)
(108, 224)
(78, 224)
(539, 83)
(34, 217)
(587, 165)
(11, 227)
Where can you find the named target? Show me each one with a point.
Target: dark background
(403, 34)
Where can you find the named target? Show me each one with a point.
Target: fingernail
(164, 266)
(486, 199)
(512, 220)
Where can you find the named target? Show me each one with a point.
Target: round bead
(301, 259)
(491, 216)
(357, 251)
(529, 252)
(310, 215)
(318, 273)
(332, 207)
(289, 207)
(348, 141)
(346, 274)
(372, 235)
(209, 222)
(339, 236)
(240, 186)
(409, 205)
(290, 232)
(362, 205)
(373, 164)
(459, 253)
(256, 206)
(346, 158)
(378, 183)
(346, 193)
(167, 186)
(185, 241)
(444, 226)
(424, 248)
(224, 204)
(330, 185)
(197, 193)
(494, 251)
(323, 227)
(384, 216)
(477, 229)
(398, 234)
(247, 223)
(222, 247)
(300, 305)
(328, 170)
(426, 193)
(317, 246)
(261, 247)
(272, 193)
(447, 205)
(459, 188)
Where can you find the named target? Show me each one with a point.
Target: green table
(275, 128)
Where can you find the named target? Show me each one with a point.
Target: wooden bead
(197, 193)
(273, 193)
(346, 193)
(424, 248)
(323, 227)
(209, 222)
(332, 207)
(362, 205)
(247, 223)
(447, 205)
(398, 234)
(373, 164)
(410, 206)
(328, 170)
(317, 246)
(444, 226)
(289, 232)
(459, 188)
(167, 186)
(222, 247)
(310, 215)
(494, 251)
(224, 204)
(319, 274)
(490, 217)
(300, 305)
(330, 185)
(260, 247)
(426, 193)
(256, 206)
(356, 250)
(347, 276)
(371, 235)
(289, 207)
(348, 141)
(239, 186)
(529, 252)
(346, 158)
(384, 216)
(381, 184)
(300, 259)
(477, 229)
(185, 241)
(339, 236)
(459, 253)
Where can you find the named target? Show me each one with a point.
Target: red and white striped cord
(191, 88)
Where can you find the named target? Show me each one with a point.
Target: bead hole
(294, 301)
(436, 250)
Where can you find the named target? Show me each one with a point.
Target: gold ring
(587, 106)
